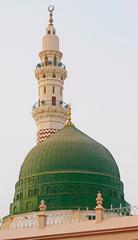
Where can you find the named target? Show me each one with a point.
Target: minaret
(50, 112)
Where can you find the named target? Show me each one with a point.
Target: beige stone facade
(116, 228)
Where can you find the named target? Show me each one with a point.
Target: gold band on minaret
(51, 9)
(68, 121)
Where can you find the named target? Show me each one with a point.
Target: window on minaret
(53, 101)
(53, 89)
(55, 61)
(53, 31)
(61, 91)
(44, 89)
(54, 75)
(46, 60)
(49, 32)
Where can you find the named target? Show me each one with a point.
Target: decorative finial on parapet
(99, 210)
(68, 121)
(42, 206)
(42, 215)
(99, 199)
(51, 9)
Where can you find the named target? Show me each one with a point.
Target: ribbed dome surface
(67, 171)
(69, 150)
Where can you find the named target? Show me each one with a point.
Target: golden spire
(68, 121)
(51, 9)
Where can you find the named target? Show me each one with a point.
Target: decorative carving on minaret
(50, 112)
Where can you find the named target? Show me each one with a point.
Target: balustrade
(31, 220)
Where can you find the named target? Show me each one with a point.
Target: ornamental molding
(44, 113)
(51, 109)
(50, 52)
(50, 81)
(39, 72)
(48, 117)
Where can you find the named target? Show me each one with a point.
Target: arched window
(54, 75)
(48, 190)
(114, 194)
(54, 101)
(44, 76)
(29, 206)
(35, 192)
(56, 189)
(44, 89)
(53, 89)
(122, 196)
(30, 193)
(14, 209)
(17, 197)
(21, 195)
(49, 32)
(53, 31)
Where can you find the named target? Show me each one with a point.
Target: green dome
(67, 170)
(69, 150)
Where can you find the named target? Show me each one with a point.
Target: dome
(66, 171)
(69, 150)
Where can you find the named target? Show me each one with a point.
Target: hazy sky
(99, 40)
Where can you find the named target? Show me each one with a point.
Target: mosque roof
(69, 150)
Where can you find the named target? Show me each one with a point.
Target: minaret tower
(50, 112)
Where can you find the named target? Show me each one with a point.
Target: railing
(25, 222)
(121, 211)
(49, 103)
(51, 63)
(32, 221)
(29, 220)
(68, 218)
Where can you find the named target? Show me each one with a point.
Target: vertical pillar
(42, 215)
(99, 208)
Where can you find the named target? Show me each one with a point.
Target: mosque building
(68, 178)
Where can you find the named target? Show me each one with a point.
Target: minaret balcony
(49, 103)
(50, 63)
(50, 69)
(43, 110)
